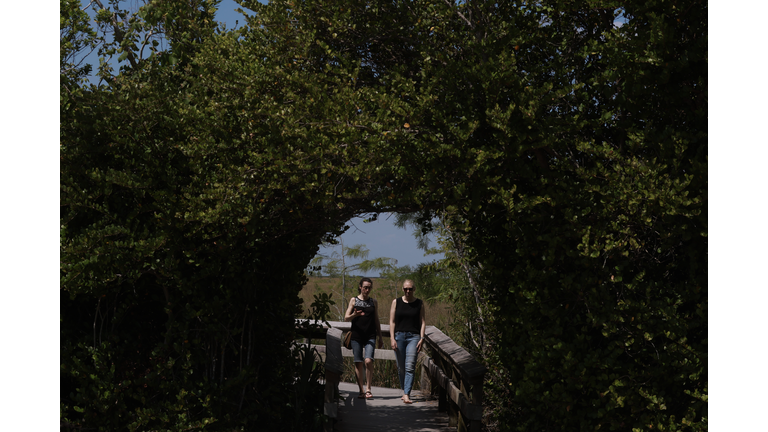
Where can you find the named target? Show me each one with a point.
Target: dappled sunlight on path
(386, 412)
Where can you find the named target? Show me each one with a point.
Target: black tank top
(408, 316)
(364, 327)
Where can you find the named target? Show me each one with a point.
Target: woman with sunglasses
(407, 323)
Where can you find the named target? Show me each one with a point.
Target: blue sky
(382, 238)
(227, 14)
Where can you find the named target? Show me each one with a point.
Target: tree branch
(118, 33)
(461, 15)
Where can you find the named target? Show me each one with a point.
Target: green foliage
(182, 255)
(308, 388)
(437, 280)
(589, 246)
(338, 265)
(565, 155)
(392, 280)
(76, 36)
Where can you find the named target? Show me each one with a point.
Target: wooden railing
(448, 373)
(452, 374)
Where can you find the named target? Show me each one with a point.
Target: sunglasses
(408, 289)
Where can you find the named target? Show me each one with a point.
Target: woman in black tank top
(407, 323)
(363, 311)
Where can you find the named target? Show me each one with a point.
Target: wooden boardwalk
(448, 372)
(387, 413)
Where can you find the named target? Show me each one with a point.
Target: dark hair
(360, 285)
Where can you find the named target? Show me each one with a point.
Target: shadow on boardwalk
(387, 413)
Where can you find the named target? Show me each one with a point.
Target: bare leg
(359, 374)
(368, 373)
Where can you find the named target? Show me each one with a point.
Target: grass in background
(384, 291)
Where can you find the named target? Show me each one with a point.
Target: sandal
(361, 395)
(368, 395)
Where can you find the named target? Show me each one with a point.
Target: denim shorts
(357, 349)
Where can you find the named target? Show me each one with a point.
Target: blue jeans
(357, 350)
(406, 358)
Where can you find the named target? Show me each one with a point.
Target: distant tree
(392, 278)
(453, 278)
(342, 265)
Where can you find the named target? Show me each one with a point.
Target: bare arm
(392, 324)
(376, 317)
(351, 312)
(423, 327)
(378, 322)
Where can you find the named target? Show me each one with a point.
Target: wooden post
(477, 399)
(331, 392)
(454, 416)
(426, 385)
(442, 399)
(333, 371)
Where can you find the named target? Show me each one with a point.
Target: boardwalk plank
(387, 413)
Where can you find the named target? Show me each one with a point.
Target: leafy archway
(565, 151)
